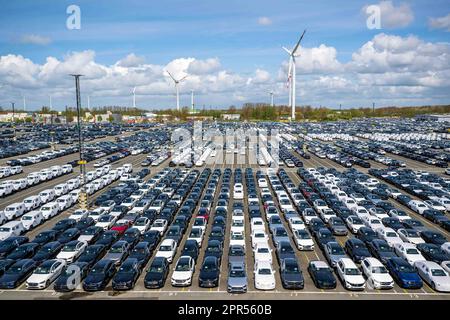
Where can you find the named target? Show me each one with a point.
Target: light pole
(81, 162)
(13, 121)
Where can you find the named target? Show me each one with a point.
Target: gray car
(118, 252)
(236, 255)
(333, 252)
(337, 226)
(237, 278)
(280, 234)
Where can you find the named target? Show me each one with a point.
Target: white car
(183, 272)
(49, 210)
(296, 223)
(262, 252)
(45, 274)
(96, 214)
(262, 183)
(32, 219)
(434, 205)
(159, 225)
(303, 240)
(72, 250)
(354, 223)
(264, 275)
(167, 249)
(106, 221)
(376, 273)
(32, 202)
(446, 247)
(238, 194)
(409, 252)
(389, 235)
(434, 275)
(259, 236)
(327, 214)
(142, 224)
(399, 214)
(14, 210)
(79, 214)
(237, 238)
(237, 224)
(61, 189)
(410, 236)
(418, 206)
(47, 195)
(64, 202)
(350, 275)
(446, 266)
(257, 224)
(196, 234)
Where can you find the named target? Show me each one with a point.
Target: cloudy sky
(230, 51)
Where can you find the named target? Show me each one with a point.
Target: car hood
(9, 278)
(292, 277)
(123, 277)
(236, 259)
(113, 256)
(237, 281)
(37, 278)
(94, 278)
(407, 276)
(382, 277)
(209, 275)
(66, 254)
(181, 275)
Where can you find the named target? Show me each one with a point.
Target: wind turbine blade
(171, 76)
(134, 90)
(287, 50)
(298, 43)
(183, 78)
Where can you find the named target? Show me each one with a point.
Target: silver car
(434, 275)
(333, 252)
(118, 252)
(237, 278)
(236, 255)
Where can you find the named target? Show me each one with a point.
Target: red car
(121, 226)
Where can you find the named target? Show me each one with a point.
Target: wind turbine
(24, 102)
(291, 74)
(134, 97)
(176, 88)
(271, 98)
(192, 101)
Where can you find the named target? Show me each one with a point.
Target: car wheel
(433, 286)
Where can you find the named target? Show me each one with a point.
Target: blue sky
(159, 32)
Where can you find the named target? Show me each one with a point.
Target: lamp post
(81, 162)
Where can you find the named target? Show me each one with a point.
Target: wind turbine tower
(192, 101)
(134, 97)
(291, 74)
(176, 82)
(271, 98)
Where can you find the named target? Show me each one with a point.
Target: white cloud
(261, 76)
(440, 23)
(204, 66)
(320, 59)
(394, 16)
(131, 60)
(264, 21)
(35, 39)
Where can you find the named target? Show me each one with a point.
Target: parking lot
(309, 289)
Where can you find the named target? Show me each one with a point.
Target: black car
(356, 249)
(381, 250)
(24, 251)
(190, 249)
(92, 254)
(433, 237)
(132, 236)
(209, 272)
(141, 252)
(9, 244)
(175, 233)
(94, 232)
(284, 250)
(291, 275)
(315, 224)
(157, 273)
(392, 222)
(47, 251)
(323, 236)
(214, 248)
(69, 235)
(17, 273)
(152, 237)
(217, 233)
(127, 275)
(5, 264)
(45, 237)
(366, 234)
(99, 276)
(76, 272)
(63, 225)
(84, 223)
(322, 275)
(433, 252)
(107, 238)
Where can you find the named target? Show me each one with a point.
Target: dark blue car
(403, 273)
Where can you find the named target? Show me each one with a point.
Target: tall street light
(81, 162)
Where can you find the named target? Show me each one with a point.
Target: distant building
(8, 116)
(231, 116)
(433, 117)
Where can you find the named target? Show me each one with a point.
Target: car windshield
(412, 251)
(195, 233)
(438, 273)
(391, 234)
(337, 251)
(263, 250)
(140, 223)
(237, 273)
(97, 270)
(379, 269)
(182, 266)
(351, 271)
(209, 267)
(158, 224)
(236, 252)
(156, 269)
(406, 268)
(69, 247)
(126, 268)
(42, 270)
(291, 268)
(165, 248)
(384, 248)
(116, 250)
(237, 236)
(213, 249)
(264, 271)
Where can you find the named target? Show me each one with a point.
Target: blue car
(403, 273)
